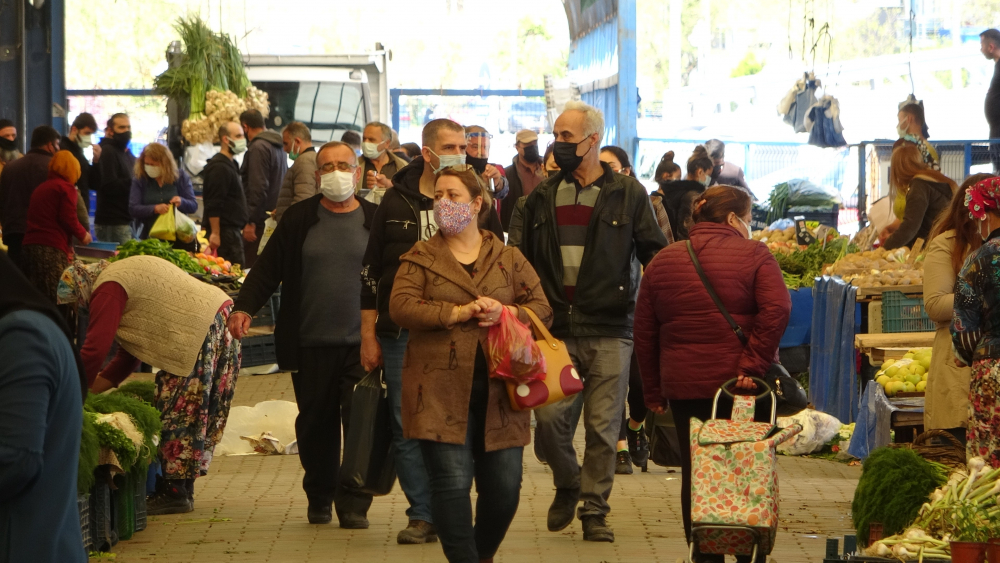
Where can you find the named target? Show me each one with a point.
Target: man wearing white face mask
(378, 163)
(405, 216)
(316, 252)
(225, 203)
(81, 136)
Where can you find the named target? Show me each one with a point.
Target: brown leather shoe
(417, 532)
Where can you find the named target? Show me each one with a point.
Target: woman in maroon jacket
(52, 224)
(686, 348)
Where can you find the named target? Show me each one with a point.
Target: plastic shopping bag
(269, 225)
(165, 227)
(369, 463)
(512, 351)
(186, 229)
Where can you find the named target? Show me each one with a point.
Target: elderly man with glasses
(316, 253)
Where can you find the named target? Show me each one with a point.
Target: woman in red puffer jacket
(686, 348)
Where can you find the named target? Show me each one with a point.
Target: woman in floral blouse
(975, 328)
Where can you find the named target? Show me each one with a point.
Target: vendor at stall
(160, 315)
(926, 192)
(946, 405)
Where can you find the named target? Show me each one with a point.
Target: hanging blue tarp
(832, 368)
(874, 423)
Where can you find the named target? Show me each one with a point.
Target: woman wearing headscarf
(975, 328)
(52, 224)
(925, 194)
(160, 315)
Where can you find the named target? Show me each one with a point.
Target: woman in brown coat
(448, 291)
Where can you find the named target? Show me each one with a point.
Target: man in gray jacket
(300, 181)
(263, 170)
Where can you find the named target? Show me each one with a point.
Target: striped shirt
(574, 207)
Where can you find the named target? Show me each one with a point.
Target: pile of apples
(908, 374)
(217, 265)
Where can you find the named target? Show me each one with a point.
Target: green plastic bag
(186, 229)
(165, 227)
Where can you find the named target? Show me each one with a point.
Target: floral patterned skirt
(984, 422)
(194, 407)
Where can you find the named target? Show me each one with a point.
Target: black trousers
(13, 243)
(324, 387)
(701, 409)
(231, 245)
(636, 401)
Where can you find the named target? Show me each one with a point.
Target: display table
(882, 347)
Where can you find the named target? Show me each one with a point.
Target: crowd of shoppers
(410, 278)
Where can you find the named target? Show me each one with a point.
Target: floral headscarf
(77, 282)
(983, 197)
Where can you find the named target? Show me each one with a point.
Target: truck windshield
(327, 108)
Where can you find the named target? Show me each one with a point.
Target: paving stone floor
(252, 509)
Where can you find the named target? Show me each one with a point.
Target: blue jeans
(452, 468)
(410, 468)
(113, 233)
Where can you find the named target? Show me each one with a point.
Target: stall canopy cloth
(873, 429)
(832, 362)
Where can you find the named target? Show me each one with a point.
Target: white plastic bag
(818, 428)
(269, 225)
(197, 156)
(274, 417)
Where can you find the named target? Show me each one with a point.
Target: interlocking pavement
(252, 509)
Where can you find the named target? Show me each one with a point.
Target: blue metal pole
(394, 105)
(628, 91)
(57, 33)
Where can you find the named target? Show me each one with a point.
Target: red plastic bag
(512, 351)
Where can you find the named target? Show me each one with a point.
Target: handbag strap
(540, 330)
(715, 297)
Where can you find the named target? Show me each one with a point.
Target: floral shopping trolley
(734, 481)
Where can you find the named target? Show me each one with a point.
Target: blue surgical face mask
(446, 160)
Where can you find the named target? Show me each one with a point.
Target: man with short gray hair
(300, 182)
(590, 227)
(378, 163)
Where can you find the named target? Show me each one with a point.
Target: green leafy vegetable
(89, 454)
(802, 267)
(894, 484)
(160, 249)
(145, 391)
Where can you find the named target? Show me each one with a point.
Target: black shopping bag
(369, 462)
(664, 444)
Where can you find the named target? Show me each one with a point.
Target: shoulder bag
(561, 378)
(789, 394)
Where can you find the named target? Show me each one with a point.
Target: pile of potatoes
(878, 268)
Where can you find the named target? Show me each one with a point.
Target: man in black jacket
(316, 252)
(524, 174)
(225, 204)
(405, 216)
(585, 255)
(989, 44)
(263, 171)
(18, 181)
(112, 180)
(81, 135)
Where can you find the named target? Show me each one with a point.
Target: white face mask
(84, 140)
(337, 186)
(446, 160)
(153, 171)
(370, 150)
(747, 227)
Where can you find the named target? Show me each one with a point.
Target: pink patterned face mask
(452, 217)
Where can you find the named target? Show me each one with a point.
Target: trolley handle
(760, 382)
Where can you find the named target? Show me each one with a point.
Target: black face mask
(478, 164)
(566, 157)
(531, 155)
(121, 140)
(8, 145)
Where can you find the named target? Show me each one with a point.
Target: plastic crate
(828, 218)
(259, 350)
(83, 505)
(103, 521)
(904, 314)
(123, 499)
(139, 504)
(268, 314)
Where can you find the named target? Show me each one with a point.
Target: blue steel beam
(628, 91)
